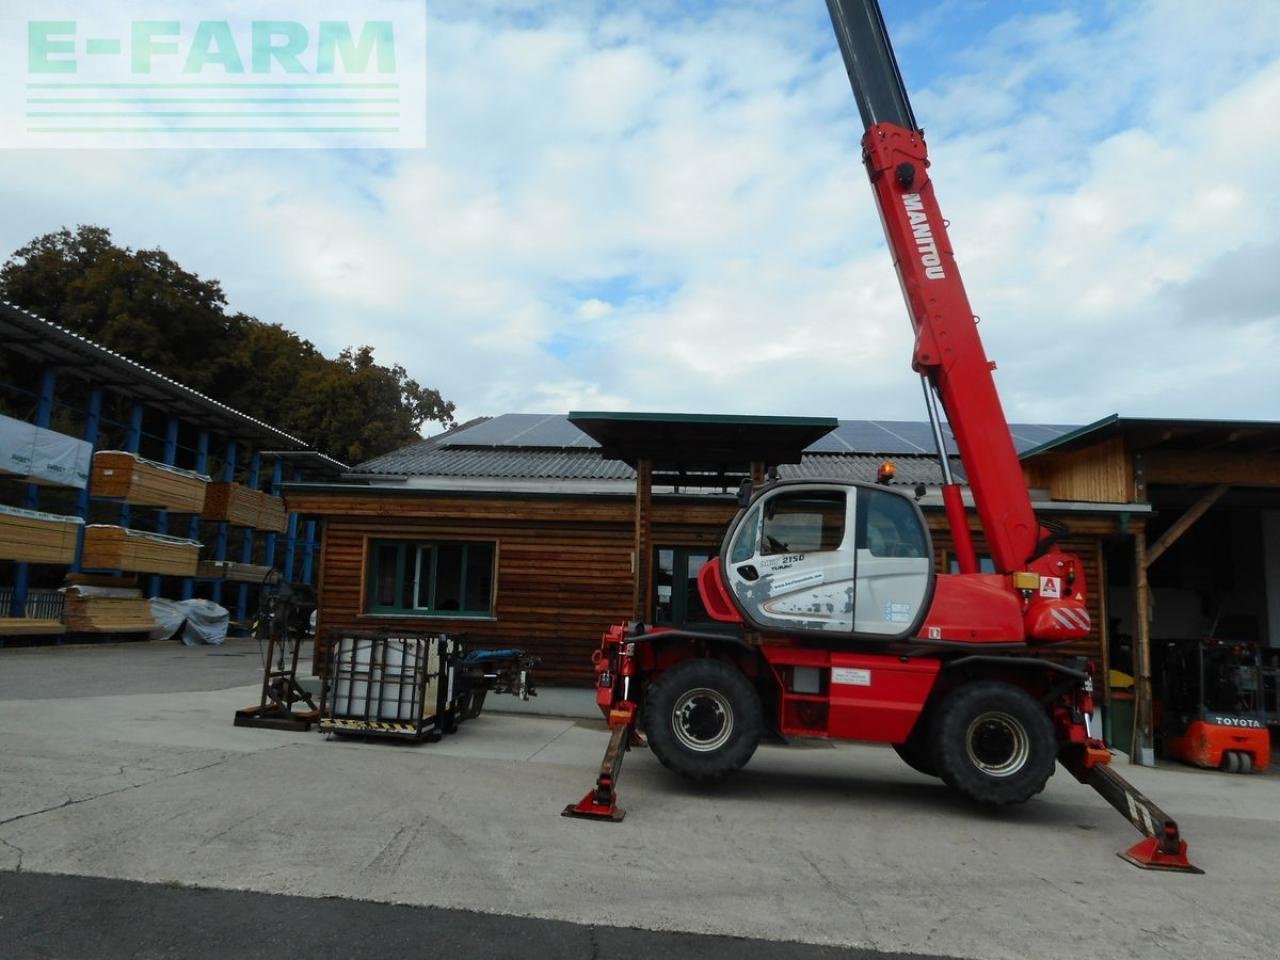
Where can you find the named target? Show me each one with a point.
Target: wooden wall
(1102, 473)
(564, 571)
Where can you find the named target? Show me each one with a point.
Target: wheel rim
(997, 744)
(702, 720)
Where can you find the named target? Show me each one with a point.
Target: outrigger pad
(1147, 855)
(589, 808)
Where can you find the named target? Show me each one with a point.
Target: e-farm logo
(277, 74)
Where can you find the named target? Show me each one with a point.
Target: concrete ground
(121, 762)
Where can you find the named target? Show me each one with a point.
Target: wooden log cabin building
(541, 531)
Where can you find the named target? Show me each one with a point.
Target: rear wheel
(993, 743)
(1246, 762)
(703, 719)
(1231, 762)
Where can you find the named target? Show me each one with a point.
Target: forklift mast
(948, 354)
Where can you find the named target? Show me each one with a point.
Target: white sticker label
(1050, 587)
(800, 580)
(851, 676)
(897, 612)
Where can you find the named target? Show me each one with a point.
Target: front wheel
(993, 743)
(703, 719)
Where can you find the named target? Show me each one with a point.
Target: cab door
(791, 563)
(894, 563)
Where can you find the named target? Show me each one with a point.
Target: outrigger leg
(601, 803)
(1162, 847)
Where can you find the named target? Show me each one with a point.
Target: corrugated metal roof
(517, 446)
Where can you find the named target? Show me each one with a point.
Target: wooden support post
(642, 591)
(1184, 522)
(757, 473)
(1141, 741)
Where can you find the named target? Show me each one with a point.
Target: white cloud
(667, 211)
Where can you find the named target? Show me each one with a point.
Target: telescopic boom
(948, 351)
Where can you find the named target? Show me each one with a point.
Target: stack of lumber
(34, 537)
(107, 610)
(272, 514)
(230, 570)
(242, 506)
(115, 548)
(128, 477)
(30, 627)
(43, 456)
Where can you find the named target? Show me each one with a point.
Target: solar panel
(523, 430)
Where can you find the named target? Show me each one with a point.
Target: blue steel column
(132, 443)
(291, 540)
(22, 571)
(277, 474)
(92, 423)
(309, 550)
(193, 528)
(246, 543)
(220, 543)
(162, 516)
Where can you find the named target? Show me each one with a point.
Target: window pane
(426, 559)
(889, 526)
(384, 571)
(479, 577)
(663, 578)
(744, 548)
(695, 612)
(448, 577)
(407, 558)
(803, 522)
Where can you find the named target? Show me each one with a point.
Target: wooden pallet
(127, 612)
(126, 476)
(115, 548)
(38, 537)
(243, 506)
(30, 627)
(230, 570)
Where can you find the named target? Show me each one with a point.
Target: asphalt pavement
(131, 799)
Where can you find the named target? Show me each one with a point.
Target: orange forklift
(1210, 712)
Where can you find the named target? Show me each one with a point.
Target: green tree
(142, 304)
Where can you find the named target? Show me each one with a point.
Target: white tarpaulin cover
(44, 456)
(206, 622)
(169, 617)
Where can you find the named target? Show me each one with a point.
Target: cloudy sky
(660, 206)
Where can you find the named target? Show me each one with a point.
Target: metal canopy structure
(44, 342)
(675, 442)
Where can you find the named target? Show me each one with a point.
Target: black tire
(703, 719)
(915, 752)
(1246, 762)
(993, 743)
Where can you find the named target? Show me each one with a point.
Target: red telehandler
(843, 628)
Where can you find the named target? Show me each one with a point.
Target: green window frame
(431, 578)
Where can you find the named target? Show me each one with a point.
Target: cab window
(806, 521)
(888, 526)
(744, 547)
